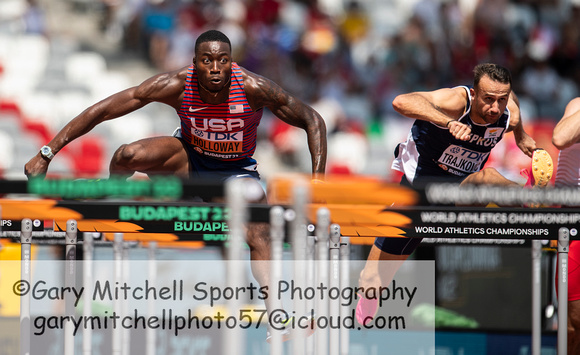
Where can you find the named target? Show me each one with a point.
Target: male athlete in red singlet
(220, 105)
(566, 137)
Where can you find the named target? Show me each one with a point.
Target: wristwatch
(46, 152)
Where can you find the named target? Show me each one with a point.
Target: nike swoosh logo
(196, 109)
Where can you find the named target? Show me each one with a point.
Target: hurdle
(344, 281)
(322, 277)
(563, 242)
(152, 273)
(298, 234)
(320, 255)
(238, 204)
(69, 281)
(277, 222)
(88, 249)
(536, 297)
(119, 344)
(26, 241)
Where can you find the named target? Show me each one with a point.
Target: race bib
(218, 144)
(461, 161)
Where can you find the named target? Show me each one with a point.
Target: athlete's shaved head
(212, 36)
(493, 71)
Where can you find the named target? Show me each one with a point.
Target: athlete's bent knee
(126, 155)
(484, 176)
(489, 173)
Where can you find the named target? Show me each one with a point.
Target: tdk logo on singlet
(461, 159)
(217, 136)
(218, 124)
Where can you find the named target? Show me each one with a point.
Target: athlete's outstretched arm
(262, 92)
(162, 88)
(526, 143)
(567, 131)
(442, 107)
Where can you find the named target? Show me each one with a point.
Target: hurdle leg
(298, 232)
(237, 205)
(117, 336)
(310, 280)
(88, 249)
(344, 283)
(25, 265)
(334, 307)
(70, 281)
(126, 269)
(536, 297)
(563, 244)
(150, 339)
(277, 245)
(322, 271)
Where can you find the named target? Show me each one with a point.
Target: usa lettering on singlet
(226, 131)
(431, 150)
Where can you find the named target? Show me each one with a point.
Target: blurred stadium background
(348, 59)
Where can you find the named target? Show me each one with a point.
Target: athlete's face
(213, 64)
(490, 98)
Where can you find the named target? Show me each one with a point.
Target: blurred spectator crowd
(349, 59)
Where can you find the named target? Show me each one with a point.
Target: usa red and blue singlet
(219, 137)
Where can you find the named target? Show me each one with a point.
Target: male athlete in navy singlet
(454, 131)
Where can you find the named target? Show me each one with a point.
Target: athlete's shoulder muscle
(167, 87)
(263, 92)
(451, 99)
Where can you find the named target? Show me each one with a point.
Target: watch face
(46, 152)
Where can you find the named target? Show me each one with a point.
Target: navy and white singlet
(431, 153)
